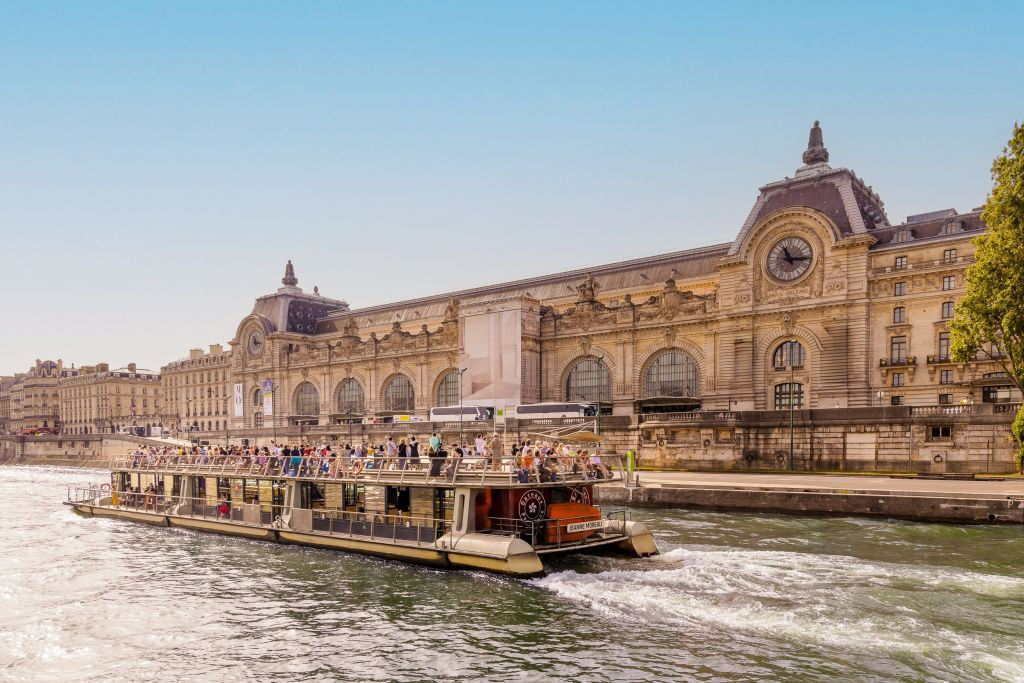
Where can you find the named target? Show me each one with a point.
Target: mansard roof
(935, 224)
(838, 193)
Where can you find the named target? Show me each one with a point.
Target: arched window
(588, 381)
(671, 373)
(788, 354)
(787, 394)
(350, 398)
(398, 394)
(448, 389)
(307, 401)
(902, 235)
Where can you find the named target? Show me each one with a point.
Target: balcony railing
(923, 265)
(965, 409)
(695, 416)
(907, 361)
(935, 359)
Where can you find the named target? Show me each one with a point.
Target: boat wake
(839, 602)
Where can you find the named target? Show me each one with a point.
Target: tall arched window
(448, 389)
(398, 394)
(671, 373)
(350, 398)
(307, 400)
(789, 353)
(588, 381)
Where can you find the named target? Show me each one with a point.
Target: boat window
(353, 496)
(398, 498)
(251, 493)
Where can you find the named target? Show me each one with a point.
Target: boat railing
(466, 470)
(373, 525)
(562, 531)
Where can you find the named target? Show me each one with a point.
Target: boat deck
(450, 472)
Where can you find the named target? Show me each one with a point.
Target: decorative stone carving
(451, 311)
(586, 290)
(743, 291)
(835, 281)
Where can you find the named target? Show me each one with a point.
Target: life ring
(937, 458)
(104, 487)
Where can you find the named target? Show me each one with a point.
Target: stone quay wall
(963, 509)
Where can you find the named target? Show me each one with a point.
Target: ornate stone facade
(99, 400)
(724, 310)
(196, 392)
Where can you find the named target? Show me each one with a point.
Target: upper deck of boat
(426, 472)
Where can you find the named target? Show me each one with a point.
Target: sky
(160, 161)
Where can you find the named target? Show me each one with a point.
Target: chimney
(194, 354)
(131, 367)
(216, 349)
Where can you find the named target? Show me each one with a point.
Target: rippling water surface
(732, 597)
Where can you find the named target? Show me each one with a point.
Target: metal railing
(373, 525)
(469, 469)
(394, 527)
(559, 532)
(923, 265)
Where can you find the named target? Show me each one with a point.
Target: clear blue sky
(159, 162)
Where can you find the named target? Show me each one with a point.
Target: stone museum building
(821, 323)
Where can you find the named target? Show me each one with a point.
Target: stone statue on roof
(587, 289)
(289, 279)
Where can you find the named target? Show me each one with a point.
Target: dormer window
(951, 228)
(902, 235)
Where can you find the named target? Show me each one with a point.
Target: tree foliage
(992, 310)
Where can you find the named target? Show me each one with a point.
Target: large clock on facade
(789, 258)
(255, 343)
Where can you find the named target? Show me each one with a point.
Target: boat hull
(516, 559)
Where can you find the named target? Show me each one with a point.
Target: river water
(733, 597)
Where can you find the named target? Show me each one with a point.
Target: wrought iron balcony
(908, 361)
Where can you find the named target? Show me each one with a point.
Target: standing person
(390, 451)
(403, 454)
(414, 451)
(497, 449)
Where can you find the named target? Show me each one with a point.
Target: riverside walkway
(981, 487)
(976, 501)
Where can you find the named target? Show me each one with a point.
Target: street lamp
(461, 370)
(792, 377)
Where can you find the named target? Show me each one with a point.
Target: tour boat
(468, 513)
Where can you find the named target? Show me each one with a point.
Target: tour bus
(391, 419)
(537, 411)
(461, 414)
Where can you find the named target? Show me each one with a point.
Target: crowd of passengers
(528, 461)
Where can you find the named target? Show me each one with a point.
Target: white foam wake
(835, 601)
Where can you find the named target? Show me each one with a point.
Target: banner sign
(238, 400)
(267, 386)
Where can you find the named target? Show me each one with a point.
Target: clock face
(789, 259)
(255, 343)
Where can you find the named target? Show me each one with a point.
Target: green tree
(990, 318)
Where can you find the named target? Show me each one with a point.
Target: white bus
(537, 411)
(461, 414)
